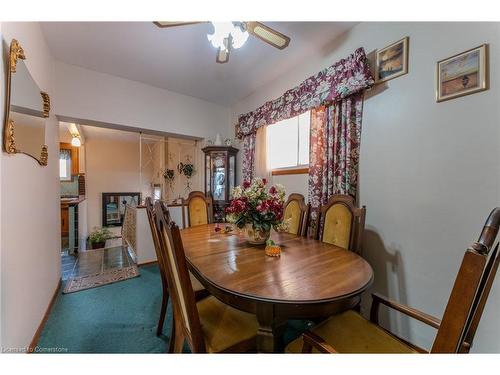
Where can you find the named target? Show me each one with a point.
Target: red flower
(237, 206)
(246, 184)
(273, 190)
(264, 181)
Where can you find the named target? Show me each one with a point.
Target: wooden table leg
(270, 333)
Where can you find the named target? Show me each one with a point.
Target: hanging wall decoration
(169, 176)
(392, 61)
(187, 169)
(462, 74)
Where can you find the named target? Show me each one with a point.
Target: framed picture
(392, 61)
(462, 74)
(113, 207)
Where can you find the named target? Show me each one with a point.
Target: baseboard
(36, 336)
(147, 263)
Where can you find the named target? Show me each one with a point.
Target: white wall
(30, 218)
(429, 171)
(89, 95)
(112, 166)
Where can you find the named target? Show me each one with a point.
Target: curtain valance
(346, 77)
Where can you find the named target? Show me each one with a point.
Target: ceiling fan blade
(164, 24)
(267, 34)
(223, 53)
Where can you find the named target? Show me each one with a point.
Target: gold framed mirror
(27, 108)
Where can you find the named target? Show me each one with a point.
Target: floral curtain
(334, 150)
(248, 157)
(342, 83)
(344, 78)
(64, 154)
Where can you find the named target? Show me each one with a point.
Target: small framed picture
(392, 61)
(462, 74)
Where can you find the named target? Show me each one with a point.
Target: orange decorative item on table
(272, 249)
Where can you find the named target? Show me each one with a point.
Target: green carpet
(116, 318)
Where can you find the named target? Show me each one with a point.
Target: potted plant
(257, 209)
(98, 237)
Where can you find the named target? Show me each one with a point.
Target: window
(288, 143)
(156, 192)
(65, 165)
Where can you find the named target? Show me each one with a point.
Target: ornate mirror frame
(9, 144)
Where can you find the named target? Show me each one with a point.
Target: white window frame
(294, 169)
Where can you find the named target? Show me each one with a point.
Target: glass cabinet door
(232, 177)
(219, 176)
(208, 176)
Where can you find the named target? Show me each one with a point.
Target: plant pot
(256, 237)
(97, 245)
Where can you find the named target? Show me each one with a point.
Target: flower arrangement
(257, 209)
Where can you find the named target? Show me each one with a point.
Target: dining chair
(349, 332)
(199, 209)
(341, 223)
(200, 291)
(297, 213)
(208, 326)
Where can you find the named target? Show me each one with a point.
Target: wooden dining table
(310, 280)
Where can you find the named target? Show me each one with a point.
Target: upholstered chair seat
(349, 332)
(296, 214)
(207, 325)
(341, 223)
(224, 326)
(198, 213)
(337, 226)
(199, 209)
(292, 216)
(198, 288)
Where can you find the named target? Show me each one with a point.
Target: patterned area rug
(99, 279)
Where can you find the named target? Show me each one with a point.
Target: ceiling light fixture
(76, 142)
(233, 35)
(227, 31)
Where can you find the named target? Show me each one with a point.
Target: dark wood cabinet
(220, 176)
(64, 221)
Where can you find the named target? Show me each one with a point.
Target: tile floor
(94, 261)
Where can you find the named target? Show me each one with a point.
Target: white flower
(231, 218)
(237, 192)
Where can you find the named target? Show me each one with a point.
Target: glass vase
(256, 237)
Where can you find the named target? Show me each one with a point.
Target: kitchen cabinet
(65, 221)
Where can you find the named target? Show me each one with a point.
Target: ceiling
(181, 59)
(115, 135)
